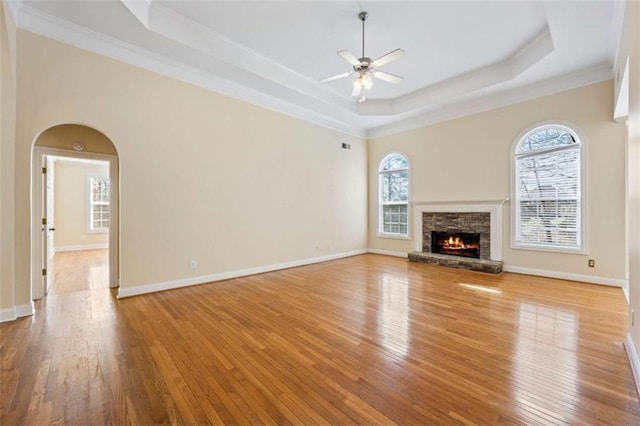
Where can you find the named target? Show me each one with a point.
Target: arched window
(393, 178)
(547, 198)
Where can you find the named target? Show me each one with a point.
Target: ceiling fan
(366, 68)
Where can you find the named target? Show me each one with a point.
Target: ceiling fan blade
(357, 90)
(349, 57)
(391, 78)
(335, 77)
(389, 57)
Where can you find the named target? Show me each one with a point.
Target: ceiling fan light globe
(366, 81)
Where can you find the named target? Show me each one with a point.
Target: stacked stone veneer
(479, 223)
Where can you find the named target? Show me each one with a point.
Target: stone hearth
(480, 265)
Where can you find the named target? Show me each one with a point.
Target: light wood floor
(79, 270)
(367, 339)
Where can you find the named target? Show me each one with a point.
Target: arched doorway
(79, 144)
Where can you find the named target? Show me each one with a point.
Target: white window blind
(548, 189)
(394, 195)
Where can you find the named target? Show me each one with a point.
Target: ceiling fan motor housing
(365, 64)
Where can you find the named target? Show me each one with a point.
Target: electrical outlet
(592, 263)
(194, 264)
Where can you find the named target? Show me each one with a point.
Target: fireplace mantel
(493, 207)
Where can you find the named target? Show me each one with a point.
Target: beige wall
(233, 186)
(630, 46)
(7, 165)
(71, 197)
(480, 146)
(203, 177)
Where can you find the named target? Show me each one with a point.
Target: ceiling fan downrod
(363, 17)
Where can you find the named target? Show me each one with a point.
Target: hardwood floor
(79, 270)
(368, 339)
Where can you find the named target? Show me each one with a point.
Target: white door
(47, 221)
(50, 210)
(45, 232)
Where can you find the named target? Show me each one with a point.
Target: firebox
(463, 244)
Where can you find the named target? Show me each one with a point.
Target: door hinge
(44, 220)
(44, 271)
(44, 170)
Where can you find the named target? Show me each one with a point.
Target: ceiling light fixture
(366, 68)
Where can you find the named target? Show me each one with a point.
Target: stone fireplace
(457, 223)
(460, 235)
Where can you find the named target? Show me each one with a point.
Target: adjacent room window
(99, 194)
(394, 196)
(548, 198)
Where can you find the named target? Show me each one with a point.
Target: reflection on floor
(364, 340)
(73, 271)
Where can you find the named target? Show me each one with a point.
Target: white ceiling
(461, 57)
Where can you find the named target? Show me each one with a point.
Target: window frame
(580, 138)
(90, 204)
(380, 226)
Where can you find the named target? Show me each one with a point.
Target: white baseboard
(8, 314)
(633, 360)
(169, 285)
(615, 282)
(82, 247)
(15, 312)
(25, 310)
(388, 252)
(625, 290)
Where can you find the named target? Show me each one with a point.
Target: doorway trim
(37, 206)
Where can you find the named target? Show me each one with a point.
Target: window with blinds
(99, 211)
(548, 190)
(394, 196)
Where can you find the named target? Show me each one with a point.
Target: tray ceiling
(461, 57)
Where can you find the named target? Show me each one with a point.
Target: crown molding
(75, 35)
(285, 91)
(187, 32)
(176, 27)
(532, 52)
(194, 35)
(489, 102)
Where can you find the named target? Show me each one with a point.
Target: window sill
(549, 249)
(393, 236)
(98, 231)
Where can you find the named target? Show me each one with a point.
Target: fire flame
(457, 243)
